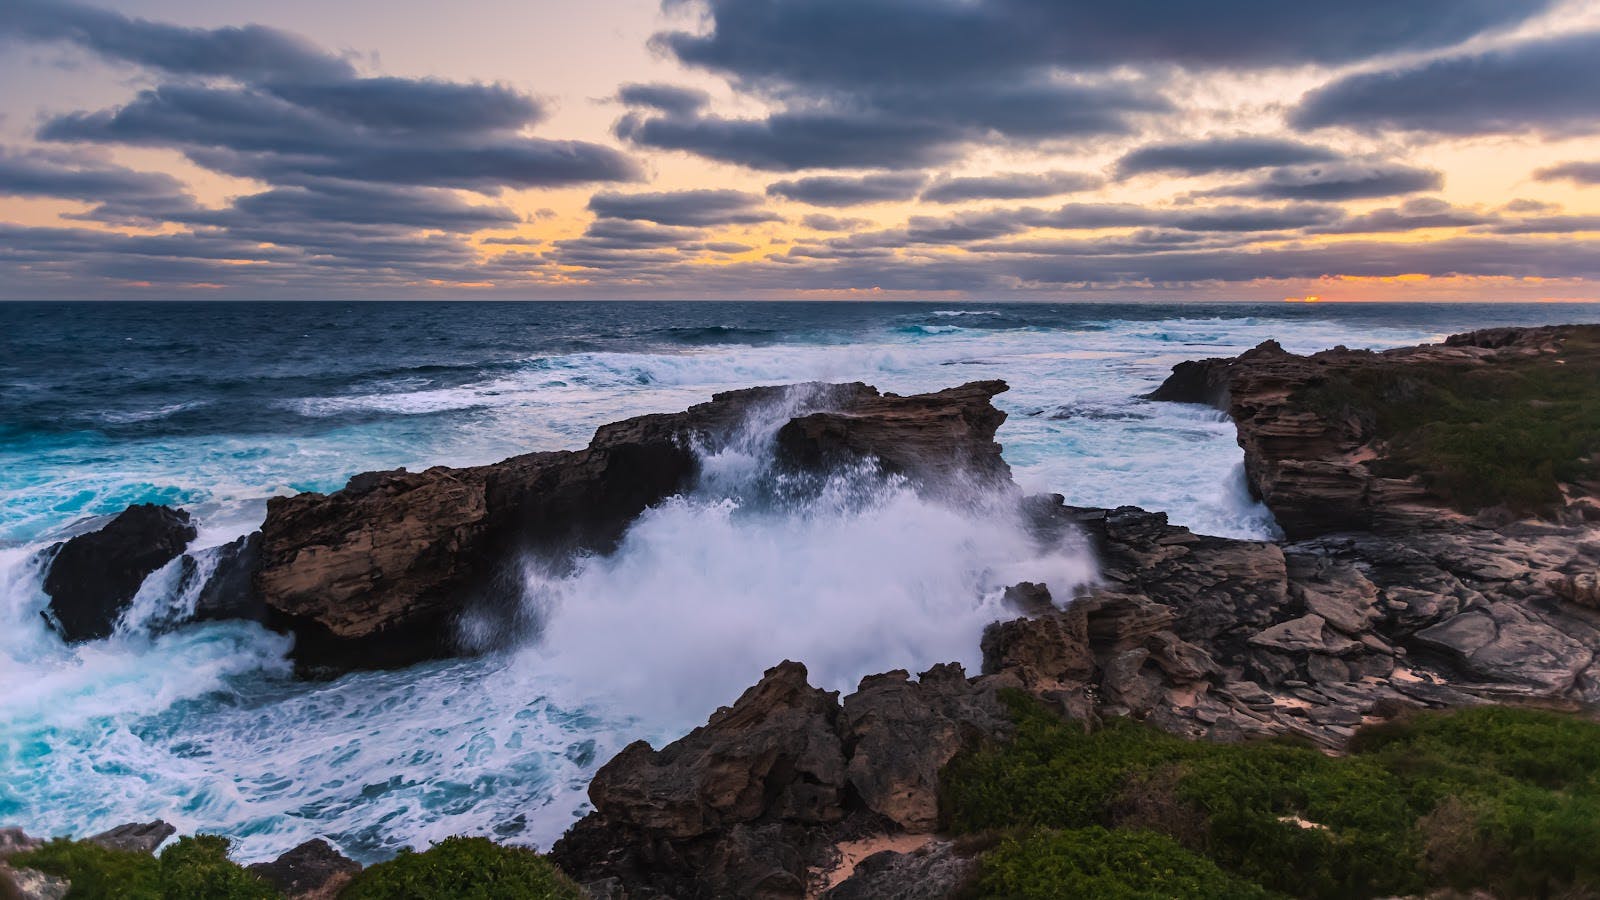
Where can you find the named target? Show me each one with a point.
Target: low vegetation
(198, 868)
(1497, 798)
(462, 868)
(1481, 437)
(194, 868)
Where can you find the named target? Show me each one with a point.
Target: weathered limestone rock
(899, 778)
(1318, 468)
(375, 574)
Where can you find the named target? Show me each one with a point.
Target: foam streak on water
(217, 408)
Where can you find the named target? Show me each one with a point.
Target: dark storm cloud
(1545, 85)
(668, 98)
(119, 194)
(255, 133)
(1204, 157)
(850, 42)
(1009, 186)
(700, 208)
(789, 141)
(899, 127)
(1160, 225)
(1419, 212)
(1547, 225)
(246, 52)
(1580, 172)
(844, 190)
(821, 222)
(1229, 218)
(1335, 181)
(624, 234)
(420, 105)
(906, 84)
(422, 208)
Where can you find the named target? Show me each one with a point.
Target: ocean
(217, 406)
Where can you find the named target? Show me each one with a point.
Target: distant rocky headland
(1395, 699)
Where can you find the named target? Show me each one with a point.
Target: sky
(1440, 150)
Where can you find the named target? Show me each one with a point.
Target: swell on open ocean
(215, 407)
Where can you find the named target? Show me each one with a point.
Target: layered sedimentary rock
(1388, 599)
(1316, 449)
(753, 803)
(1206, 637)
(374, 574)
(377, 573)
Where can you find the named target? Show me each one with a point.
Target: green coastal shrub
(195, 868)
(198, 868)
(1480, 436)
(95, 872)
(1497, 798)
(462, 868)
(1104, 864)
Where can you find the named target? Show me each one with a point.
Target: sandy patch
(852, 852)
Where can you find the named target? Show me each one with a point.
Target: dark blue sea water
(217, 406)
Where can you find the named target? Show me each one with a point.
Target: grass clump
(463, 868)
(1478, 437)
(1497, 798)
(195, 868)
(1111, 865)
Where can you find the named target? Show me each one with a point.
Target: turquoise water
(216, 407)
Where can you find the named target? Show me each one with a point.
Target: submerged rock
(93, 577)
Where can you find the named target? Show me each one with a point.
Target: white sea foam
(205, 728)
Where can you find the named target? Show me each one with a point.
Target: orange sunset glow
(625, 148)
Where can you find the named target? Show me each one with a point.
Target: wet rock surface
(375, 574)
(312, 871)
(1371, 610)
(92, 577)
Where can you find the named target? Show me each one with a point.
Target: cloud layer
(997, 148)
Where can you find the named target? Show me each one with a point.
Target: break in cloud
(819, 147)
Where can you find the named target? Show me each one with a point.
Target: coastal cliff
(1358, 697)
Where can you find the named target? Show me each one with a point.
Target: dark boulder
(93, 576)
(311, 871)
(135, 837)
(939, 440)
(229, 592)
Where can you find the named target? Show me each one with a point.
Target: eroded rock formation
(1317, 449)
(374, 574)
(93, 577)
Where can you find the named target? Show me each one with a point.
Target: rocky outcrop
(21, 883)
(1206, 637)
(936, 871)
(311, 871)
(92, 577)
(754, 802)
(135, 837)
(373, 574)
(942, 440)
(1314, 429)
